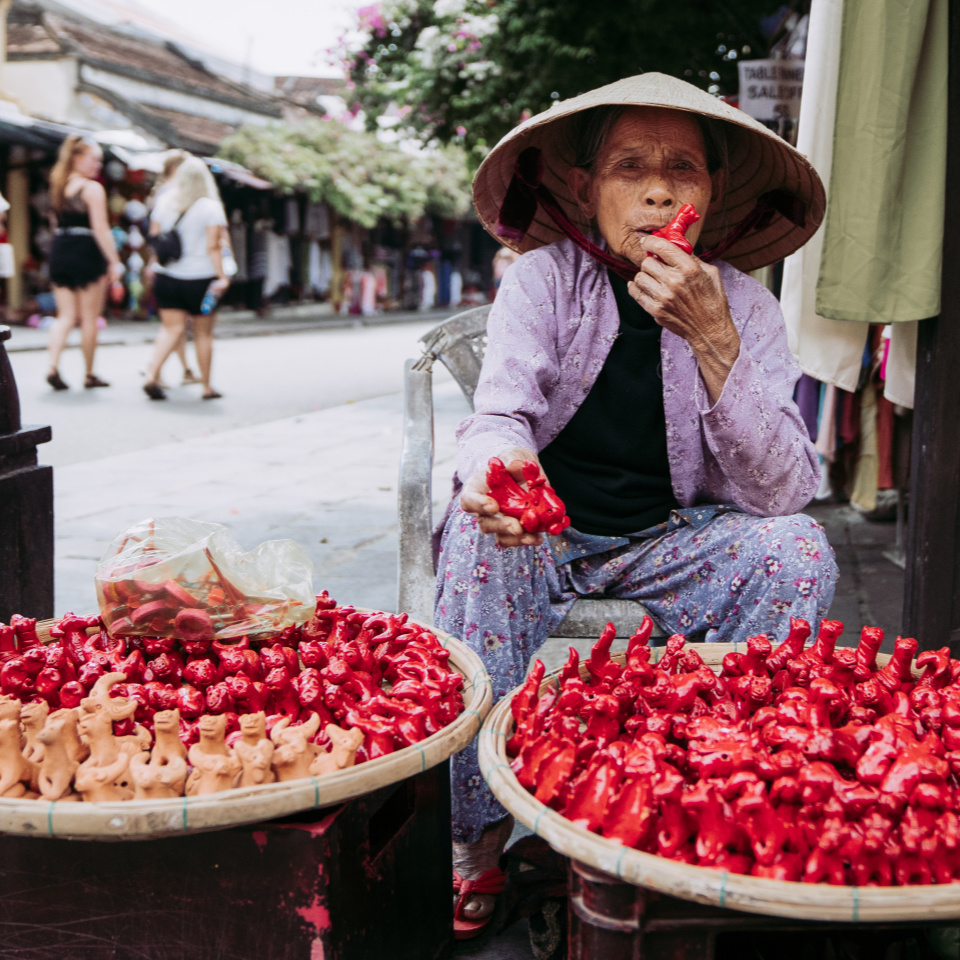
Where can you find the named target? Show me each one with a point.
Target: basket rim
(177, 816)
(719, 888)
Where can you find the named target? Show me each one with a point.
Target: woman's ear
(578, 183)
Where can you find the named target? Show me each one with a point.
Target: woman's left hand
(686, 297)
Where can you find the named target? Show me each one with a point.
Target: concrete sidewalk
(235, 323)
(326, 479)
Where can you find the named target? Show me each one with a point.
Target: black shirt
(609, 463)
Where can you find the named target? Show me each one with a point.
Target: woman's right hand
(116, 271)
(475, 498)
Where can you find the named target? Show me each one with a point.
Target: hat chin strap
(526, 192)
(768, 205)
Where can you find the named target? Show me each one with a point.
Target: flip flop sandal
(154, 391)
(92, 380)
(490, 883)
(212, 395)
(56, 381)
(189, 377)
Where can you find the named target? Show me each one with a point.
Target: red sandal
(491, 882)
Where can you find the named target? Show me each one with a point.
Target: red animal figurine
(675, 231)
(538, 508)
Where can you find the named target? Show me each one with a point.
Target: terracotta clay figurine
(105, 774)
(342, 752)
(215, 765)
(9, 708)
(32, 718)
(294, 754)
(76, 748)
(59, 764)
(15, 768)
(254, 750)
(119, 707)
(163, 771)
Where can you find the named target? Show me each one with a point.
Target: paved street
(262, 378)
(305, 444)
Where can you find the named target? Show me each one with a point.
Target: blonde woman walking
(170, 166)
(193, 208)
(83, 255)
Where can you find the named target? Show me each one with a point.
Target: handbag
(167, 245)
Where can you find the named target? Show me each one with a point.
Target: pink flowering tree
(469, 70)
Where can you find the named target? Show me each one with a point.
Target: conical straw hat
(760, 162)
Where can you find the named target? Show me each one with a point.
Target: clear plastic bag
(175, 577)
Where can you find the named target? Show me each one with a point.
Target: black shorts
(76, 261)
(174, 294)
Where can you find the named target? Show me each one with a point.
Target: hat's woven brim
(759, 161)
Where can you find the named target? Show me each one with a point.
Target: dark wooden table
(368, 879)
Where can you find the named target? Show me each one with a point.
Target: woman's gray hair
(591, 127)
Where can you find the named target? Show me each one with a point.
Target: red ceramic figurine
(538, 508)
(675, 231)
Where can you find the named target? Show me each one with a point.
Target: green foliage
(361, 177)
(468, 70)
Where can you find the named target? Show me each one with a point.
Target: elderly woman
(653, 387)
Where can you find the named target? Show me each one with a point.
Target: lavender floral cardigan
(549, 332)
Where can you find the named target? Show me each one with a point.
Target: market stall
(214, 695)
(801, 782)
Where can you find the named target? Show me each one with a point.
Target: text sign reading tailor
(770, 89)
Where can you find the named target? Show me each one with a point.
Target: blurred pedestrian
(171, 163)
(82, 255)
(428, 286)
(501, 260)
(185, 287)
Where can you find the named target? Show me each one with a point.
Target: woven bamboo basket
(152, 819)
(780, 898)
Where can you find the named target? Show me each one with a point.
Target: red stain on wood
(317, 915)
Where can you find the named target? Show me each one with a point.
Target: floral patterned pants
(732, 578)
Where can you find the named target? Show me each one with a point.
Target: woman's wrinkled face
(651, 163)
(88, 163)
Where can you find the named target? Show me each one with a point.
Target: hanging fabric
(314, 278)
(883, 235)
(258, 250)
(902, 364)
(317, 221)
(326, 271)
(292, 217)
(829, 350)
(864, 493)
(238, 241)
(279, 262)
(826, 444)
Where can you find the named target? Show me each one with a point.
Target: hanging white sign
(770, 89)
